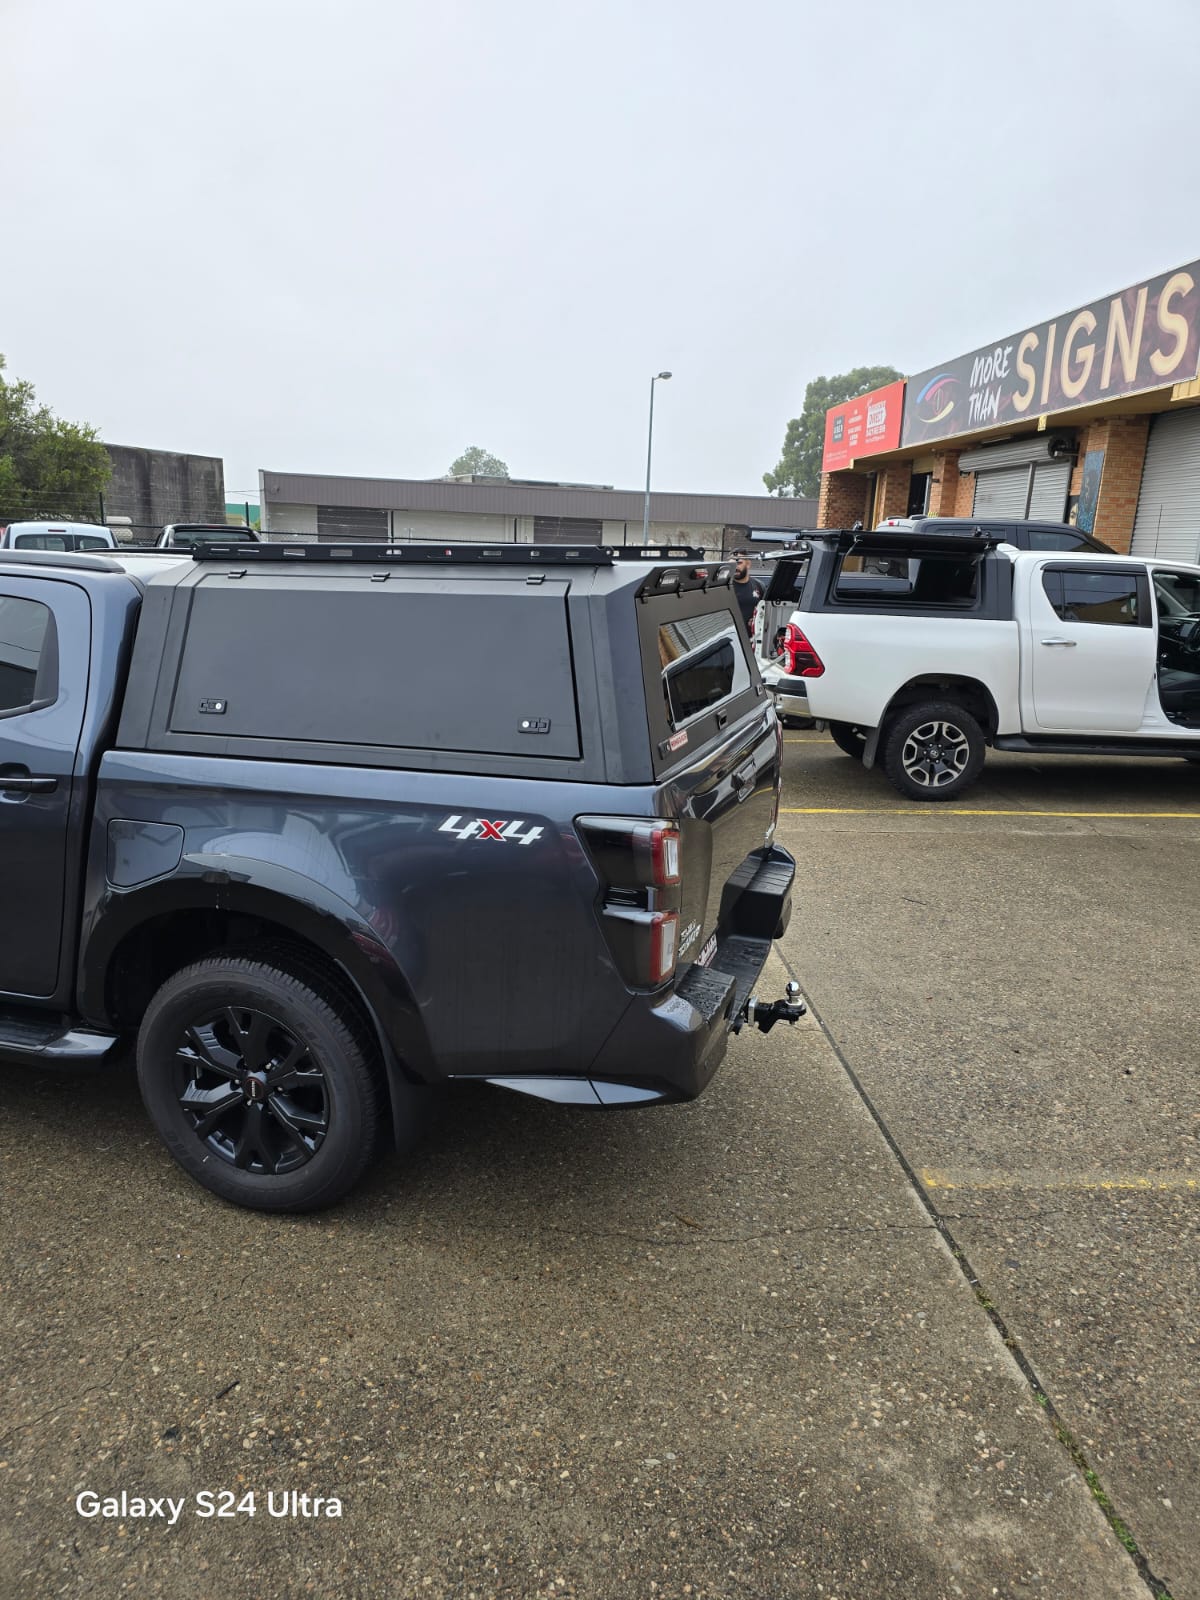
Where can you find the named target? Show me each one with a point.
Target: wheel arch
(139, 937)
(971, 693)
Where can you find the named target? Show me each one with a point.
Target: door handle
(29, 785)
(1067, 644)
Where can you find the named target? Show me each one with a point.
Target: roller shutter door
(1002, 493)
(568, 530)
(1167, 523)
(351, 525)
(1051, 483)
(1012, 492)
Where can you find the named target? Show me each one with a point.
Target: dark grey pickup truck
(322, 826)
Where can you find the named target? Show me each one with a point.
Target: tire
(848, 737)
(933, 751)
(263, 1090)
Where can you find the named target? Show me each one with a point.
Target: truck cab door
(1091, 646)
(45, 635)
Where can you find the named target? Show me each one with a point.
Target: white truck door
(1090, 640)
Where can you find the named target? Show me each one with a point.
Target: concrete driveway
(731, 1348)
(1014, 986)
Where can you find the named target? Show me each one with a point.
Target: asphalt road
(724, 1349)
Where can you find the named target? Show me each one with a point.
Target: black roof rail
(587, 555)
(899, 540)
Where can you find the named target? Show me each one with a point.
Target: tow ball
(766, 1013)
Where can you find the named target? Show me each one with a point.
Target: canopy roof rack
(905, 541)
(542, 555)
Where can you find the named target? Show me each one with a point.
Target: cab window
(1113, 598)
(27, 654)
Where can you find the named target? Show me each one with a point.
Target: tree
(476, 462)
(798, 470)
(48, 468)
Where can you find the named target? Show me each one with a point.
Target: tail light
(664, 856)
(639, 863)
(800, 660)
(634, 852)
(664, 945)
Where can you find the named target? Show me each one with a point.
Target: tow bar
(766, 1013)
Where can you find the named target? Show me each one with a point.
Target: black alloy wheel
(252, 1090)
(265, 1084)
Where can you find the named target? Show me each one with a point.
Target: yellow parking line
(1082, 1183)
(935, 810)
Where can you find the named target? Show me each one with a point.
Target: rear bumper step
(757, 903)
(723, 989)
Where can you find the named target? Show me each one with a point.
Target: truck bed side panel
(475, 891)
(867, 658)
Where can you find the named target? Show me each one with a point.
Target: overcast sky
(358, 235)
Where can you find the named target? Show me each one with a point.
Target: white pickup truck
(920, 650)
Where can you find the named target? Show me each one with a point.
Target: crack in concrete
(8, 1440)
(697, 1233)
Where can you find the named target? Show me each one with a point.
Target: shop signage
(1146, 337)
(863, 427)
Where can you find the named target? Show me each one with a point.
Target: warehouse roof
(498, 498)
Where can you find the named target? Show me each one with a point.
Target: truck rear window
(922, 581)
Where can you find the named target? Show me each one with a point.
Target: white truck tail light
(800, 660)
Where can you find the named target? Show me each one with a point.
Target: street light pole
(649, 452)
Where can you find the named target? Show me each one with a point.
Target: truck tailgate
(726, 803)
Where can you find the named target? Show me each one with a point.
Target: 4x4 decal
(480, 828)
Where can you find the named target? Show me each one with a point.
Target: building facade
(1091, 417)
(507, 511)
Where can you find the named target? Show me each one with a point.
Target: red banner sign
(863, 427)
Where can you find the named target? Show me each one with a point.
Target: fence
(105, 512)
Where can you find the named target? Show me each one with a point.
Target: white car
(56, 536)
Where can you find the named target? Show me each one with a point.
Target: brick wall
(1123, 440)
(943, 490)
(843, 500)
(895, 481)
(964, 495)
